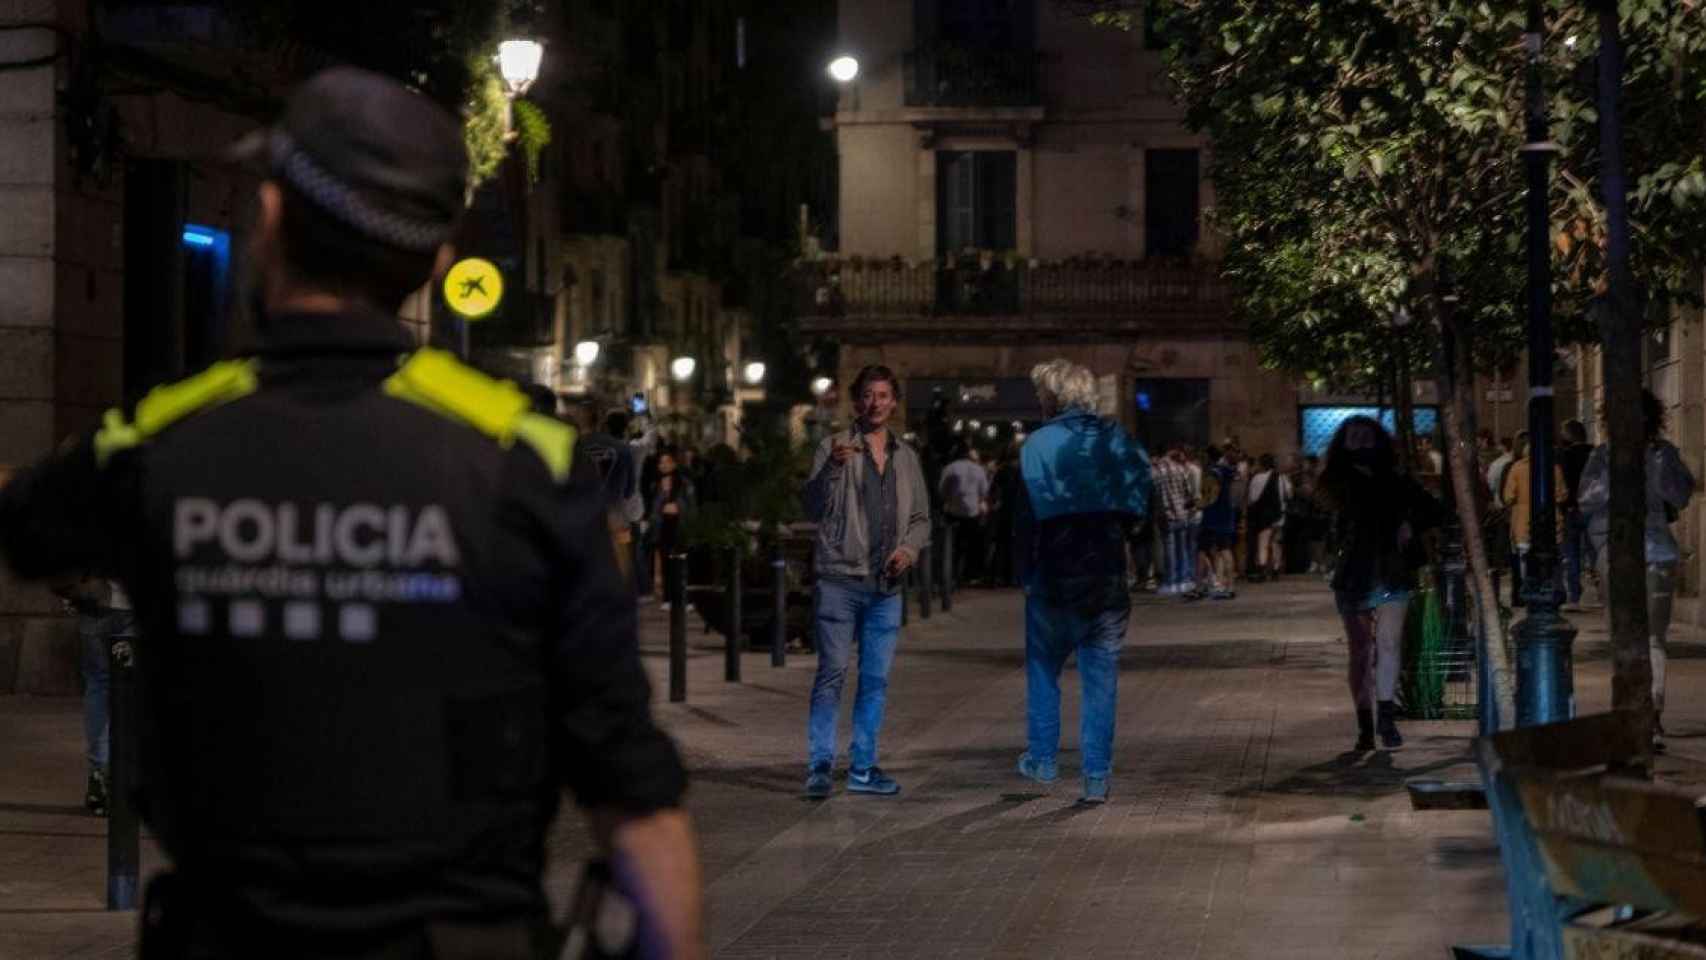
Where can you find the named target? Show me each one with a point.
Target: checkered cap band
(339, 200)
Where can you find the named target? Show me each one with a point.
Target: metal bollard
(124, 835)
(675, 577)
(731, 649)
(922, 567)
(779, 608)
(948, 584)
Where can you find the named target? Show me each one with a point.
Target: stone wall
(62, 243)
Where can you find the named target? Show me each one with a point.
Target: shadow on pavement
(1352, 773)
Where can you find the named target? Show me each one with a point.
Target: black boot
(1365, 730)
(1389, 736)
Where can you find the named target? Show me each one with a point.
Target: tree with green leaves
(1366, 160)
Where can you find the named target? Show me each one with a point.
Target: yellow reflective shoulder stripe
(436, 380)
(165, 405)
(553, 440)
(218, 384)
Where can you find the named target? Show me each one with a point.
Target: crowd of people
(1220, 517)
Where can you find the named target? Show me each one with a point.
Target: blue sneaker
(817, 783)
(1039, 770)
(1095, 790)
(872, 780)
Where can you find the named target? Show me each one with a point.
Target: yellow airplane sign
(473, 288)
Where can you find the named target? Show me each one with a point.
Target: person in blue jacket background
(1084, 482)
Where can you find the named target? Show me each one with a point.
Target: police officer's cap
(371, 154)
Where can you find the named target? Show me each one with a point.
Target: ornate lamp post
(1545, 688)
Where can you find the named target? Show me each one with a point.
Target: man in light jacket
(1083, 483)
(868, 498)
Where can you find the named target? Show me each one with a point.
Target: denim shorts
(1359, 602)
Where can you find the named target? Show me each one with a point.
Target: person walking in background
(672, 499)
(1514, 448)
(1004, 493)
(1670, 485)
(1193, 534)
(1498, 465)
(1578, 547)
(965, 500)
(1173, 488)
(1518, 497)
(1380, 516)
(1269, 493)
(868, 497)
(1085, 484)
(1245, 546)
(1219, 524)
(103, 616)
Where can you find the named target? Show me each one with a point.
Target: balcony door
(976, 200)
(1171, 185)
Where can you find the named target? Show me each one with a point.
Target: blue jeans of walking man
(1054, 632)
(850, 614)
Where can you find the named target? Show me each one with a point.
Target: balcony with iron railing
(860, 299)
(948, 75)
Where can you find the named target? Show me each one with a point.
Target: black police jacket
(381, 627)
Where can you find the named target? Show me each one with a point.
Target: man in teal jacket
(1084, 484)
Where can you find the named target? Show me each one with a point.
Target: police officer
(382, 623)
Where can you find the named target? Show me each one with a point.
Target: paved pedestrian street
(1239, 826)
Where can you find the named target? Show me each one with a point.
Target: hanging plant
(532, 134)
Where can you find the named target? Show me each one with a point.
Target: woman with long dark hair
(1379, 517)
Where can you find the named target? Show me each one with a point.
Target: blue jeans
(1578, 553)
(96, 633)
(1180, 559)
(847, 613)
(1052, 633)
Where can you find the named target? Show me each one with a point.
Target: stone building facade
(1016, 184)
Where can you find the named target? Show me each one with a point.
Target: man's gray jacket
(831, 500)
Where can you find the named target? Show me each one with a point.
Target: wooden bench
(1600, 862)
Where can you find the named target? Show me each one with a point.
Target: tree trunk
(1620, 335)
(1404, 404)
(1457, 383)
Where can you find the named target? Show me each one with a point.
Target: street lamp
(844, 69)
(518, 62)
(1545, 687)
(821, 386)
(586, 352)
(754, 373)
(681, 368)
